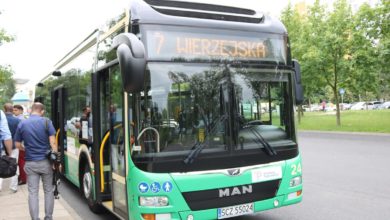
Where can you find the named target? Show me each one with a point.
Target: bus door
(112, 128)
(57, 116)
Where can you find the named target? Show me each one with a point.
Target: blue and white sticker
(167, 186)
(155, 187)
(143, 187)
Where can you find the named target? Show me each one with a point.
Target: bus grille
(208, 199)
(205, 11)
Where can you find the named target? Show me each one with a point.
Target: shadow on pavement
(255, 217)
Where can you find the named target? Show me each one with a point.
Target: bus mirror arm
(132, 62)
(298, 83)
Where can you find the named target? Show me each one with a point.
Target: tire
(87, 190)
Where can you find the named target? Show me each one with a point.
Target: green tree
(383, 26)
(326, 42)
(364, 55)
(4, 37)
(370, 52)
(300, 31)
(7, 84)
(336, 48)
(296, 28)
(339, 49)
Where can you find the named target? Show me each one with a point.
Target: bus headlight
(296, 181)
(153, 201)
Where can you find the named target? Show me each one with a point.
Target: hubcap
(87, 184)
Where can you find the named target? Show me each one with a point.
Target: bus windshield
(191, 112)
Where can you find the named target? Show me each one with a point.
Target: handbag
(8, 166)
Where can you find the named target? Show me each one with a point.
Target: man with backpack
(38, 135)
(12, 125)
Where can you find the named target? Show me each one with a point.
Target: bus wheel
(87, 189)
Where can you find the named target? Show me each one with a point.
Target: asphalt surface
(345, 176)
(74, 198)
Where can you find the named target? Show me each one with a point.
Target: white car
(170, 123)
(385, 105)
(345, 106)
(374, 104)
(358, 106)
(330, 107)
(312, 108)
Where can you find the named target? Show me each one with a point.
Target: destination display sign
(171, 45)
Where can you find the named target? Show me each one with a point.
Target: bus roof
(203, 15)
(180, 13)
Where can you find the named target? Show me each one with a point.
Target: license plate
(233, 211)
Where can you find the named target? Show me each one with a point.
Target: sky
(45, 30)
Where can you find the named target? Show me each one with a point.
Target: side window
(72, 112)
(104, 103)
(116, 121)
(85, 116)
(78, 114)
(148, 119)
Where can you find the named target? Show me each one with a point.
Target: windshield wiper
(196, 149)
(267, 147)
(199, 146)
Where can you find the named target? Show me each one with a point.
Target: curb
(345, 132)
(68, 208)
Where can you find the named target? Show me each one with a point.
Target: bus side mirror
(132, 61)
(298, 83)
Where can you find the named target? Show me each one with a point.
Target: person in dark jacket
(18, 113)
(12, 125)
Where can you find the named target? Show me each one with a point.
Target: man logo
(235, 191)
(234, 172)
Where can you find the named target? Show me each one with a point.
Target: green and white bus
(193, 113)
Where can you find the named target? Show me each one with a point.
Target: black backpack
(8, 165)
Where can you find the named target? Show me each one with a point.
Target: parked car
(369, 105)
(170, 123)
(345, 106)
(330, 107)
(358, 106)
(312, 108)
(385, 105)
(374, 104)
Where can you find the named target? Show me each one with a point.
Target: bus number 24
(296, 169)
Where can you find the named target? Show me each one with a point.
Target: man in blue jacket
(5, 135)
(12, 125)
(38, 135)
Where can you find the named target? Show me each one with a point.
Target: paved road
(346, 176)
(74, 198)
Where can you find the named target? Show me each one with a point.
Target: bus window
(116, 122)
(177, 110)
